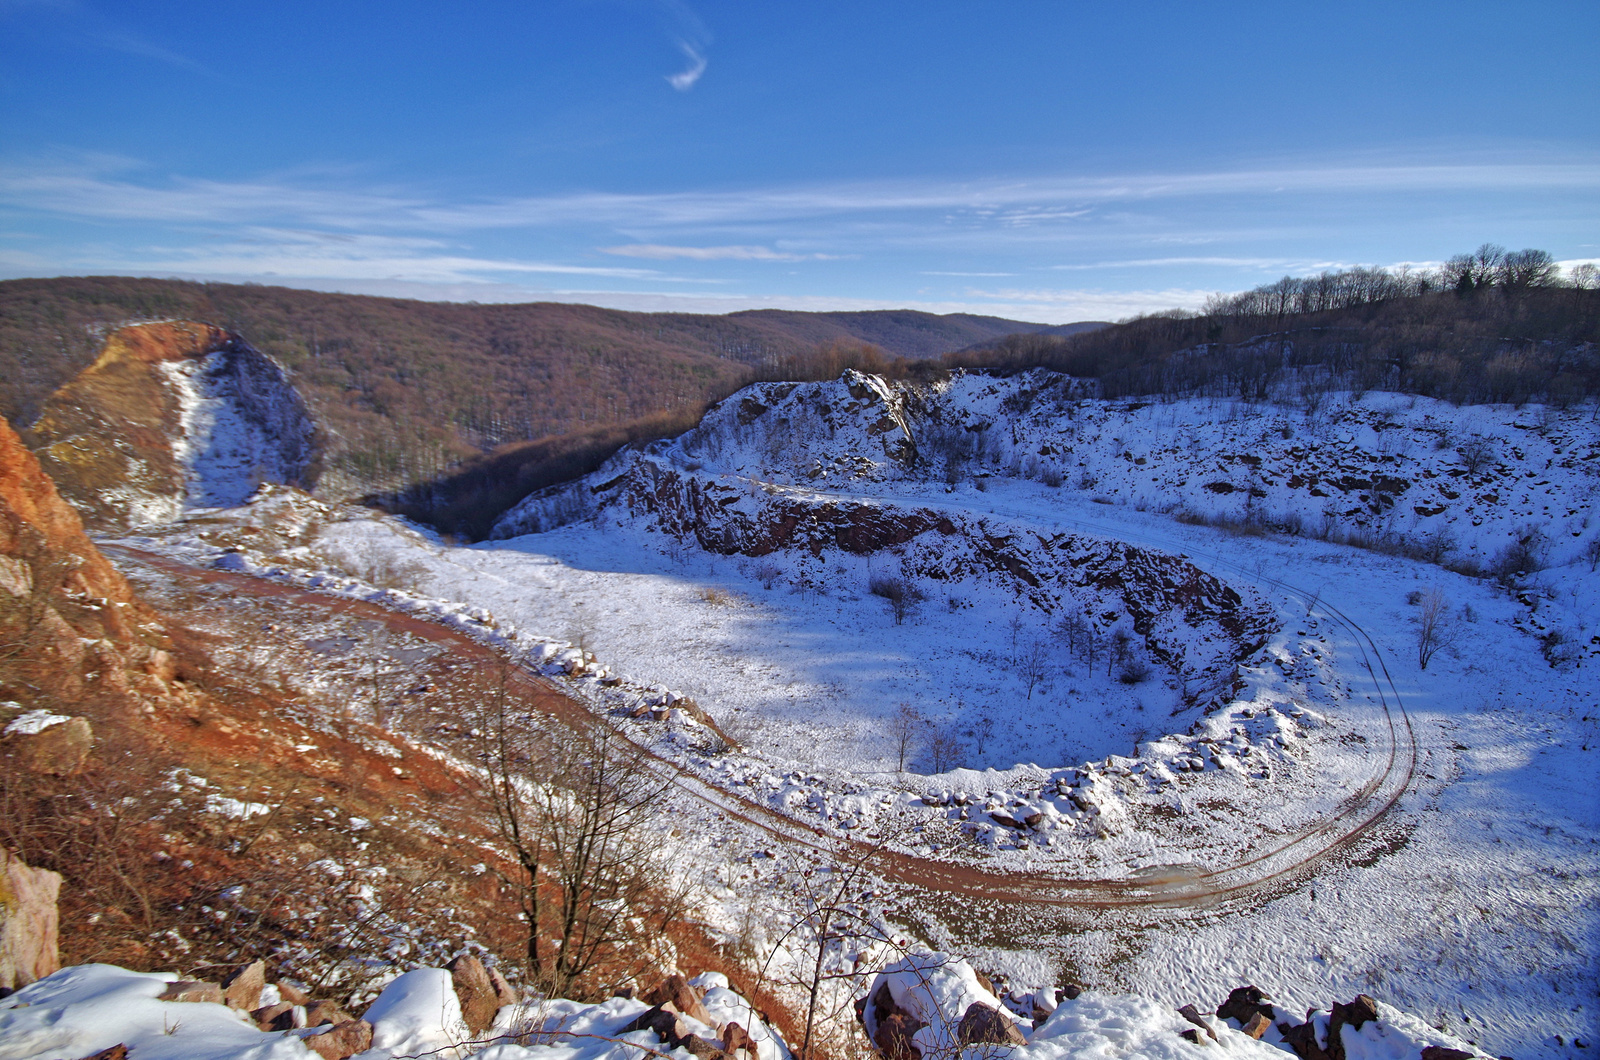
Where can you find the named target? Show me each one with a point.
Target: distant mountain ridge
(407, 389)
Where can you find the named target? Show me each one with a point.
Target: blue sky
(1039, 159)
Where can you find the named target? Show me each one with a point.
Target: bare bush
(1434, 630)
(902, 595)
(1477, 453)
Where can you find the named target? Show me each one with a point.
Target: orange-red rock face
(106, 438)
(71, 629)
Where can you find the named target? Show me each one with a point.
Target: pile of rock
(675, 1000)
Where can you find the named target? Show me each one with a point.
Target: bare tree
(1433, 625)
(903, 727)
(1033, 664)
(944, 747)
(572, 806)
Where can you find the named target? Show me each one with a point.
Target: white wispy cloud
(684, 80)
(103, 188)
(283, 253)
(662, 252)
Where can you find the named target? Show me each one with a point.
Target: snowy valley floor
(1475, 904)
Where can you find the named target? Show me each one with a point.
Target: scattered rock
(676, 991)
(894, 1037)
(1440, 1052)
(984, 1025)
(115, 1052)
(344, 1040)
(479, 1001)
(28, 921)
(1189, 1013)
(190, 990)
(1192, 1035)
(1068, 991)
(58, 751)
(242, 989)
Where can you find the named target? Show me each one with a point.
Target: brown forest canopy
(411, 388)
(1492, 326)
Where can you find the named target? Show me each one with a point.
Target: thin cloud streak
(88, 190)
(661, 252)
(685, 80)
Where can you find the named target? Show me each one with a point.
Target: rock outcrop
(73, 630)
(174, 414)
(28, 922)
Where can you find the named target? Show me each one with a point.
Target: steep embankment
(173, 415)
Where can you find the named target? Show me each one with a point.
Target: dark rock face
(1155, 589)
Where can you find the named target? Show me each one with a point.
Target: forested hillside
(409, 389)
(1487, 327)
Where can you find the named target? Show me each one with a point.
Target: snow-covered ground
(1474, 903)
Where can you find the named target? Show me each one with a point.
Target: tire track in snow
(1356, 817)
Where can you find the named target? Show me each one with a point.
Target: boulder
(982, 1025)
(57, 751)
(242, 989)
(1360, 1011)
(476, 992)
(1068, 992)
(192, 991)
(1302, 1038)
(344, 1040)
(665, 1025)
(735, 1038)
(1193, 1035)
(504, 992)
(894, 1037)
(279, 1017)
(115, 1052)
(292, 994)
(28, 922)
(676, 991)
(321, 1012)
(1441, 1052)
(1256, 1026)
(1245, 1002)
(699, 1047)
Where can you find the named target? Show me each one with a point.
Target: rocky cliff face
(71, 629)
(773, 469)
(174, 415)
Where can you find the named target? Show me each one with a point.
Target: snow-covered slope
(172, 416)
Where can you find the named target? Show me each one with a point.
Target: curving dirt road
(1286, 857)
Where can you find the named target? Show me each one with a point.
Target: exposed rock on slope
(742, 484)
(28, 922)
(71, 629)
(172, 415)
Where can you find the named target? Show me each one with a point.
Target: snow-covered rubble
(938, 1006)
